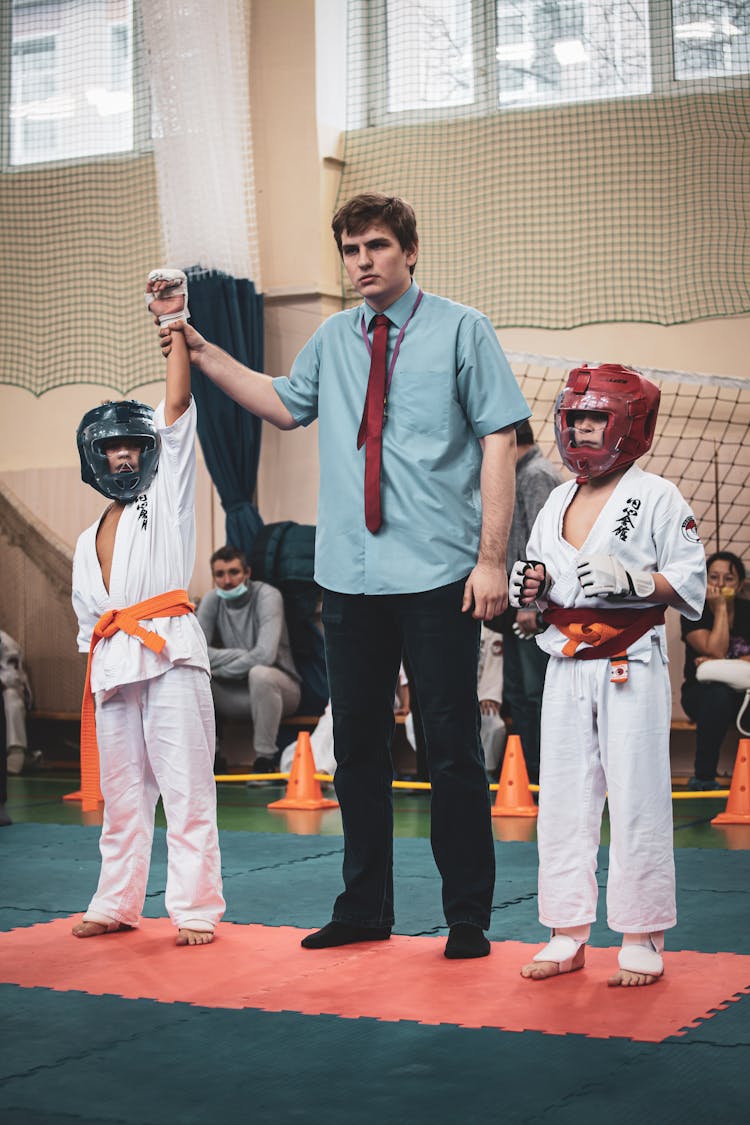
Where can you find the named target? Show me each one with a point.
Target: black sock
(465, 940)
(339, 933)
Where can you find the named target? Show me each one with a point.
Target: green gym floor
(38, 799)
(128, 1028)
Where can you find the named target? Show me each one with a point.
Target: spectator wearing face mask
(252, 670)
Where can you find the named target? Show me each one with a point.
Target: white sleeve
(85, 609)
(681, 557)
(537, 548)
(490, 684)
(177, 463)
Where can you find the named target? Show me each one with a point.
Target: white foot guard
(640, 959)
(565, 951)
(177, 288)
(561, 949)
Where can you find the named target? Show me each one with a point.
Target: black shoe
(262, 765)
(464, 941)
(703, 785)
(338, 933)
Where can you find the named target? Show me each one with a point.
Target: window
(710, 39)
(33, 72)
(429, 55)
(472, 56)
(72, 89)
(570, 51)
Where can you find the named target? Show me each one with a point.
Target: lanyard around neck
(399, 338)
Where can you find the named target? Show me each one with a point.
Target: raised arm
(251, 389)
(166, 295)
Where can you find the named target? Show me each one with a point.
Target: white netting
(701, 441)
(198, 53)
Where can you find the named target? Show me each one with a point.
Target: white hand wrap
(519, 594)
(604, 576)
(177, 287)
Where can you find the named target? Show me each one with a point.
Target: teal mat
(70, 1057)
(51, 870)
(102, 1060)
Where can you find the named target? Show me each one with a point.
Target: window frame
(370, 109)
(142, 140)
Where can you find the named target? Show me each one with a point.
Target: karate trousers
(600, 738)
(158, 736)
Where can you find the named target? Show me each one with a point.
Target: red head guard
(631, 404)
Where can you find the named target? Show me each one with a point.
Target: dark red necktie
(371, 427)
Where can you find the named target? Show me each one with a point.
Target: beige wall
(714, 347)
(296, 177)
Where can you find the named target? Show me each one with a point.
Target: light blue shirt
(452, 385)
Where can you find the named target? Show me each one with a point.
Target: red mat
(406, 978)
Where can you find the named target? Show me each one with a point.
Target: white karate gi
(490, 686)
(154, 712)
(598, 736)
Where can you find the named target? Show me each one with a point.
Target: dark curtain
(229, 312)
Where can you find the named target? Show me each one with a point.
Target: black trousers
(713, 708)
(365, 637)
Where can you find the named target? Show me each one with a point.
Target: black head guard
(130, 419)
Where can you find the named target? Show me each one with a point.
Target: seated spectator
(253, 673)
(722, 634)
(490, 692)
(16, 702)
(5, 819)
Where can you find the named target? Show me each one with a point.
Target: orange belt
(609, 631)
(175, 603)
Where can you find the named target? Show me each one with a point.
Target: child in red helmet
(608, 552)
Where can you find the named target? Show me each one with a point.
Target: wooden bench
(302, 721)
(294, 721)
(56, 716)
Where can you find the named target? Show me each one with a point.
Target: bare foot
(542, 970)
(97, 929)
(194, 937)
(624, 978)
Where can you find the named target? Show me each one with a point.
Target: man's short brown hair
(228, 553)
(372, 208)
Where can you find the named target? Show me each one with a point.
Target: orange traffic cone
(738, 802)
(303, 790)
(513, 793)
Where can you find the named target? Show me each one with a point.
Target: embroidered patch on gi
(690, 530)
(141, 505)
(626, 522)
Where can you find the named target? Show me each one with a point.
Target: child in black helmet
(148, 660)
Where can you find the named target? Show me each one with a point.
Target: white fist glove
(177, 287)
(523, 589)
(604, 576)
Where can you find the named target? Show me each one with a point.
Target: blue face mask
(230, 595)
